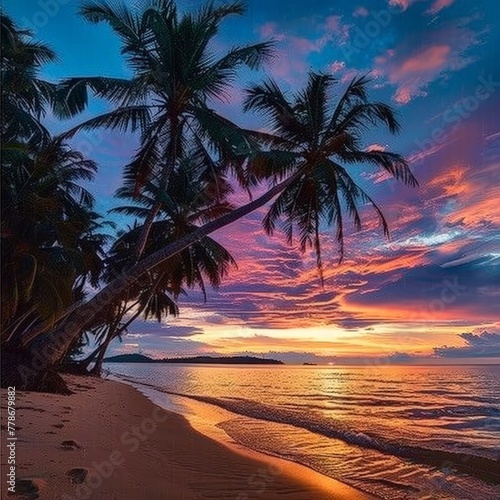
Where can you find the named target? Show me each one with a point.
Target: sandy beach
(108, 441)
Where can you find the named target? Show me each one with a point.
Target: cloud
(431, 292)
(297, 47)
(161, 347)
(430, 59)
(335, 29)
(141, 328)
(336, 66)
(270, 30)
(436, 6)
(439, 5)
(402, 4)
(413, 74)
(401, 357)
(485, 344)
(276, 287)
(361, 12)
(375, 147)
(418, 60)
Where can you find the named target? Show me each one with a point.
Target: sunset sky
(437, 280)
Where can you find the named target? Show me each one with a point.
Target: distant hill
(129, 358)
(209, 360)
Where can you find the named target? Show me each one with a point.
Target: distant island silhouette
(230, 360)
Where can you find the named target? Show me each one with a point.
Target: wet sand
(108, 441)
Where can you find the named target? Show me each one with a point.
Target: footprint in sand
(70, 445)
(58, 426)
(27, 489)
(77, 476)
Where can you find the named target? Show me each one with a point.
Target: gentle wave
(483, 468)
(424, 445)
(460, 411)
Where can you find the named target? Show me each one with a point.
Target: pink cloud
(291, 62)
(403, 4)
(429, 60)
(336, 66)
(269, 30)
(404, 95)
(439, 5)
(291, 56)
(412, 73)
(361, 12)
(375, 147)
(420, 155)
(303, 45)
(436, 6)
(335, 28)
(349, 75)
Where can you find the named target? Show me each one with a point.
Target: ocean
(397, 432)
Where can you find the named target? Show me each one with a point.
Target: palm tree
(51, 239)
(150, 303)
(52, 244)
(321, 140)
(304, 160)
(25, 97)
(175, 74)
(50, 235)
(194, 195)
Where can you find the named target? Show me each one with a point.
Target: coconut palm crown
(317, 140)
(176, 72)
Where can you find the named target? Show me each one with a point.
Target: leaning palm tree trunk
(163, 184)
(97, 369)
(146, 229)
(52, 346)
(85, 363)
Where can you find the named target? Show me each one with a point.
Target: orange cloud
(451, 182)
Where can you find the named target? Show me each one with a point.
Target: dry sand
(107, 441)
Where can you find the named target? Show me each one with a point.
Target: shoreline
(109, 441)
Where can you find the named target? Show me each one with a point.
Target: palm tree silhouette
(175, 74)
(52, 239)
(312, 135)
(190, 199)
(301, 161)
(305, 158)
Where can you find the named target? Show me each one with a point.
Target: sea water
(397, 432)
